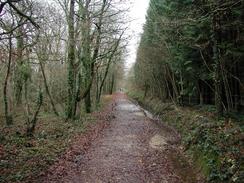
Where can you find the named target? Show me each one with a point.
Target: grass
(215, 145)
(22, 157)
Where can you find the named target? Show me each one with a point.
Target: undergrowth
(215, 145)
(23, 158)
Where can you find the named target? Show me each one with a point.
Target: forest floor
(131, 148)
(122, 142)
(23, 159)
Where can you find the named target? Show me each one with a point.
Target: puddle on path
(158, 142)
(148, 114)
(128, 107)
(139, 114)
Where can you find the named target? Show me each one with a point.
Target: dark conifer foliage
(191, 52)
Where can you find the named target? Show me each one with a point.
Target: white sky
(137, 13)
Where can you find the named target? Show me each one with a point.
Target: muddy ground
(128, 147)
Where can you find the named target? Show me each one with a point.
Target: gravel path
(133, 149)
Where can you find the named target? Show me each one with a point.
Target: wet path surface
(134, 149)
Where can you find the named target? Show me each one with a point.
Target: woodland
(62, 60)
(57, 58)
(191, 52)
(191, 55)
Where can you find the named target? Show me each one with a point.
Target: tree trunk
(146, 90)
(97, 86)
(88, 102)
(217, 61)
(47, 89)
(27, 106)
(103, 80)
(201, 98)
(71, 59)
(237, 95)
(112, 85)
(19, 80)
(78, 97)
(8, 117)
(32, 124)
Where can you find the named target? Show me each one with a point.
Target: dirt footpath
(132, 149)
